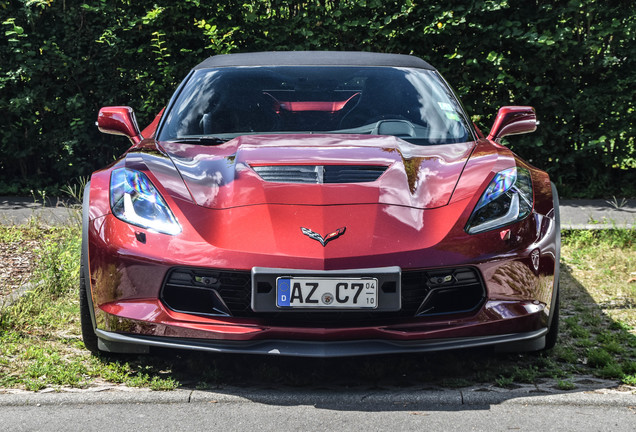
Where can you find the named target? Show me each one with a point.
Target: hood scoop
(319, 174)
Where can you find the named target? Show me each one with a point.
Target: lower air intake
(424, 293)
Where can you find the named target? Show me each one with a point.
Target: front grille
(319, 174)
(447, 291)
(206, 292)
(228, 293)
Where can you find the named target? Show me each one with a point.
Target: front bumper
(136, 325)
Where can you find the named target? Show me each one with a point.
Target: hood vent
(319, 174)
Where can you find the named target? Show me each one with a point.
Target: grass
(599, 316)
(565, 385)
(41, 347)
(40, 343)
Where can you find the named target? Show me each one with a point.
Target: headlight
(507, 199)
(135, 200)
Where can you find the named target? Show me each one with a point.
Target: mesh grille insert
(207, 292)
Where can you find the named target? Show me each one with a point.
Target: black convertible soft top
(314, 58)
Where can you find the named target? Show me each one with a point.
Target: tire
(88, 332)
(553, 330)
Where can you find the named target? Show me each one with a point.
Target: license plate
(326, 293)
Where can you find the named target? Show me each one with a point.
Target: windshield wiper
(204, 140)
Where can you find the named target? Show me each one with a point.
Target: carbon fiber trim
(319, 349)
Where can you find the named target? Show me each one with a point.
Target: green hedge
(575, 61)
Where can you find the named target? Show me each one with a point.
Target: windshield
(413, 104)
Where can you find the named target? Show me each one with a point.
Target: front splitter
(117, 342)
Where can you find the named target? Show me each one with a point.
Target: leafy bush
(573, 60)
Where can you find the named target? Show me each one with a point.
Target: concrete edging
(327, 399)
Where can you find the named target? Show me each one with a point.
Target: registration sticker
(445, 106)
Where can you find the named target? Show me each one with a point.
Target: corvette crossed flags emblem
(326, 239)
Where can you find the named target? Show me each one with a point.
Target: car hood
(227, 175)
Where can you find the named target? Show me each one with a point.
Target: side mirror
(119, 120)
(513, 120)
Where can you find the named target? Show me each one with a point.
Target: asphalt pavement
(236, 409)
(278, 418)
(53, 211)
(575, 214)
(598, 214)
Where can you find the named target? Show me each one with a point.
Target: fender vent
(319, 174)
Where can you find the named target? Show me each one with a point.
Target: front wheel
(88, 332)
(553, 330)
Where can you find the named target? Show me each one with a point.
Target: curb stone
(393, 399)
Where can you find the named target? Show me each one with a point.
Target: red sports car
(318, 204)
